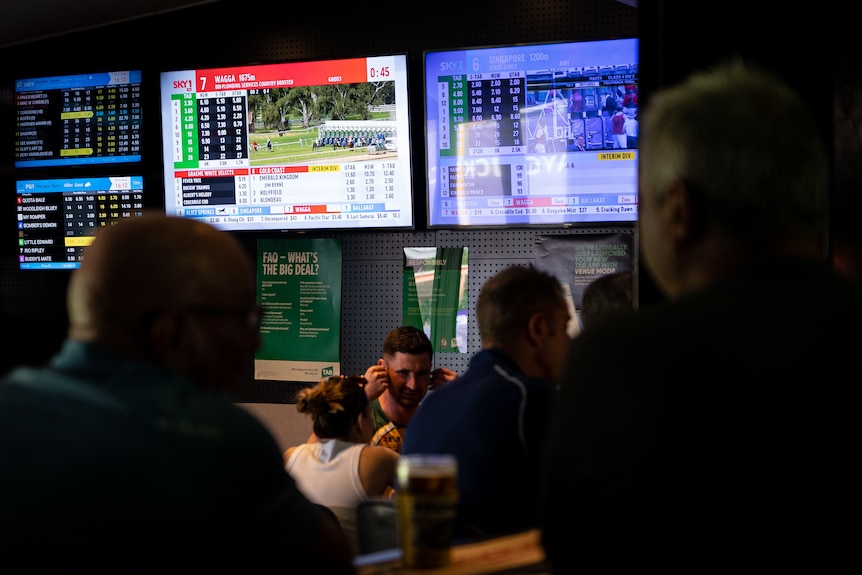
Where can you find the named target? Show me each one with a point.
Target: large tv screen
(532, 135)
(81, 119)
(59, 217)
(290, 146)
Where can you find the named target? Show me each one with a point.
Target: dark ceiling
(24, 21)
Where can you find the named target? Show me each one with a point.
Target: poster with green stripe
(435, 295)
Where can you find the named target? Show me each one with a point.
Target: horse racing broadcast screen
(532, 135)
(290, 146)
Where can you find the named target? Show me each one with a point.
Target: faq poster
(299, 288)
(435, 295)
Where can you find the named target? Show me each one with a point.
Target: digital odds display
(542, 134)
(78, 120)
(292, 146)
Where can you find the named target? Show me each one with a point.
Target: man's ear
(678, 214)
(537, 327)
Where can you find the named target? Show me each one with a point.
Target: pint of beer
(427, 499)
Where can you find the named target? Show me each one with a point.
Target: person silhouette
(579, 143)
(717, 427)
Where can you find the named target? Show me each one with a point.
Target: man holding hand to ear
(399, 382)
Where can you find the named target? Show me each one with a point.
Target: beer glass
(427, 499)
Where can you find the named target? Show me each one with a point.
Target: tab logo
(327, 371)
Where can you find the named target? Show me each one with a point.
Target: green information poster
(435, 295)
(299, 287)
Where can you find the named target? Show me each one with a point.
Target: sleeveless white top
(327, 472)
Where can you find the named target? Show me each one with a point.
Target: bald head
(150, 268)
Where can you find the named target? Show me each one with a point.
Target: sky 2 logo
(452, 66)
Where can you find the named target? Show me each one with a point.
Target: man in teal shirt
(125, 453)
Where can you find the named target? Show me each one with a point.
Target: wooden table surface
(509, 555)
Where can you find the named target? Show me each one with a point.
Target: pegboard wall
(371, 291)
(233, 32)
(371, 286)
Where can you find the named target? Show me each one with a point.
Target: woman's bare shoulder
(380, 453)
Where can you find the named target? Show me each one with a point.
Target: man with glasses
(124, 453)
(399, 381)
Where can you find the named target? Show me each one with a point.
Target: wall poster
(578, 260)
(435, 295)
(299, 287)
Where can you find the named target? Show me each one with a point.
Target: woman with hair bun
(337, 468)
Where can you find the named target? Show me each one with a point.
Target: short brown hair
(407, 339)
(509, 299)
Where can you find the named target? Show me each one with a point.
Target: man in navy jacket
(494, 417)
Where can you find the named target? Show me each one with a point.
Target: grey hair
(747, 147)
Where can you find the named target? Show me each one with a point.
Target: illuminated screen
(58, 218)
(542, 134)
(83, 119)
(293, 146)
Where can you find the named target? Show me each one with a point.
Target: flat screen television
(78, 120)
(315, 145)
(58, 218)
(532, 135)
